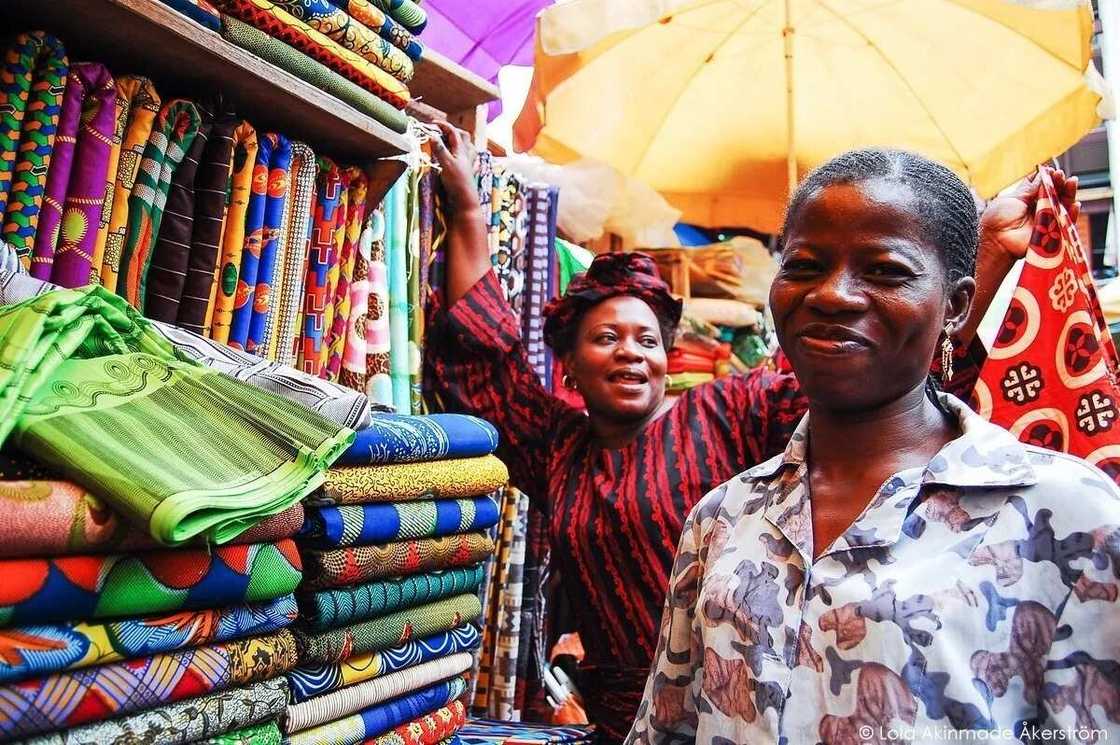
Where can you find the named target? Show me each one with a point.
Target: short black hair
(945, 205)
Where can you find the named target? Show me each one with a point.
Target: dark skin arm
(468, 255)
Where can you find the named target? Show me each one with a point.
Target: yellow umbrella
(721, 103)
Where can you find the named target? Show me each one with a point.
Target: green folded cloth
(88, 388)
(303, 67)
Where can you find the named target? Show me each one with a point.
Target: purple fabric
(58, 179)
(493, 33)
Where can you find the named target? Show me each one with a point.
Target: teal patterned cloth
(333, 608)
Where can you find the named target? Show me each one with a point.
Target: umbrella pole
(791, 128)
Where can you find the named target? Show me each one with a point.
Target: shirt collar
(984, 455)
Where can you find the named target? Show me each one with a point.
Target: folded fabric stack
(495, 732)
(363, 52)
(696, 359)
(111, 635)
(393, 550)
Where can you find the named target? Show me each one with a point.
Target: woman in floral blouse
(905, 571)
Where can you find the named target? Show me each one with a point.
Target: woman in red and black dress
(618, 481)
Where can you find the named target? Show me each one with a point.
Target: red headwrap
(611, 275)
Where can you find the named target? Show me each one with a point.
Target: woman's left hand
(1008, 219)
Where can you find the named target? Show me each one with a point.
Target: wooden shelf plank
(146, 37)
(449, 87)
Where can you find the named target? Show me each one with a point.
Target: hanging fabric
(396, 251)
(334, 272)
(353, 373)
(138, 101)
(212, 186)
(233, 234)
(121, 106)
(162, 286)
(261, 298)
(32, 84)
(379, 384)
(80, 217)
(172, 134)
(322, 255)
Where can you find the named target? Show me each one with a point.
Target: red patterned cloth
(1050, 376)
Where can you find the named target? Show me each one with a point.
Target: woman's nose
(838, 292)
(629, 349)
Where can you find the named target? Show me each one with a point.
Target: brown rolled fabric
(211, 193)
(167, 272)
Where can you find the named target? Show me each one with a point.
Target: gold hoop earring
(947, 355)
(668, 382)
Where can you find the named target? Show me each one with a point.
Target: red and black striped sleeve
(475, 363)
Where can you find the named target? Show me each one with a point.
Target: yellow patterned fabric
(233, 238)
(123, 105)
(143, 104)
(458, 478)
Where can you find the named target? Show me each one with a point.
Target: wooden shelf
(451, 88)
(147, 37)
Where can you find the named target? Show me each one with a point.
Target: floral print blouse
(977, 593)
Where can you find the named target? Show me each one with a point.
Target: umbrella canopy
(703, 104)
(483, 35)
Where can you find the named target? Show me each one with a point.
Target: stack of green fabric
(111, 638)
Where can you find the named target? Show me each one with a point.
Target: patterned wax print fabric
(212, 187)
(430, 729)
(54, 518)
(305, 68)
(84, 587)
(353, 374)
(322, 255)
(346, 605)
(997, 560)
(492, 732)
(510, 233)
(352, 232)
(272, 19)
(344, 407)
(349, 642)
(308, 682)
(536, 289)
(456, 478)
(139, 104)
(368, 13)
(234, 233)
(263, 225)
(379, 384)
(39, 650)
(506, 632)
(414, 266)
(400, 438)
(187, 721)
(358, 564)
(162, 286)
(69, 699)
(405, 12)
(340, 703)
(357, 525)
(396, 256)
(382, 718)
(32, 84)
(89, 388)
(199, 11)
(172, 135)
(334, 274)
(287, 304)
(80, 217)
(1050, 377)
(351, 34)
(266, 733)
(121, 104)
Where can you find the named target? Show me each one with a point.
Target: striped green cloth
(303, 67)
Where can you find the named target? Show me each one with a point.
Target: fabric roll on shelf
(455, 478)
(309, 682)
(161, 286)
(346, 701)
(44, 649)
(78, 222)
(32, 707)
(400, 438)
(121, 105)
(335, 342)
(199, 11)
(359, 564)
(343, 606)
(379, 384)
(431, 729)
(140, 104)
(31, 96)
(344, 643)
(233, 234)
(367, 12)
(396, 253)
(251, 709)
(266, 733)
(353, 373)
(285, 311)
(355, 525)
(323, 254)
(406, 12)
(494, 732)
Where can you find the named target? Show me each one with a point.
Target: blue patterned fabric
(199, 12)
(397, 438)
(308, 682)
(364, 524)
(493, 732)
